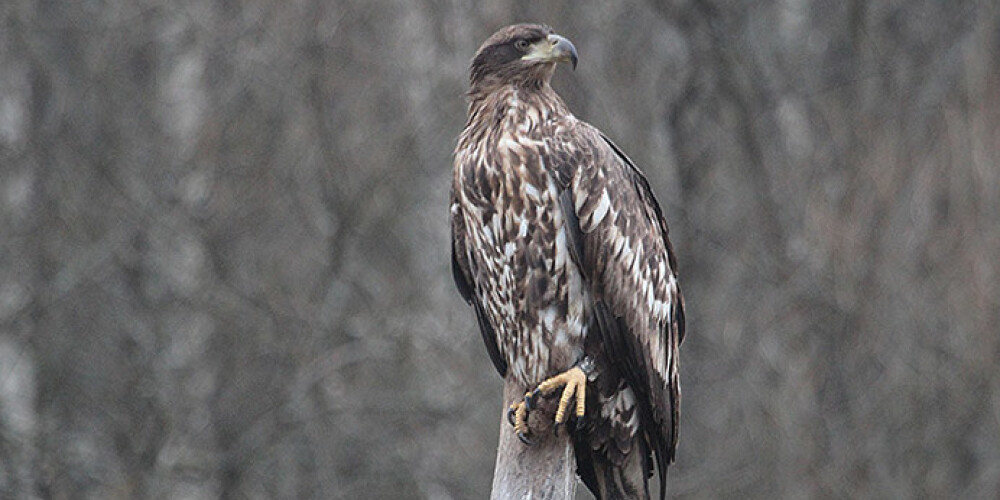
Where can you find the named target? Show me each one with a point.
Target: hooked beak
(553, 49)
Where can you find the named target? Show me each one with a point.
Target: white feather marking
(620, 242)
(508, 249)
(603, 205)
(561, 337)
(607, 409)
(531, 191)
(628, 399)
(488, 233)
(560, 259)
(636, 264)
(660, 356)
(575, 325)
(522, 229)
(549, 317)
(612, 232)
(579, 197)
(577, 297)
(506, 143)
(531, 118)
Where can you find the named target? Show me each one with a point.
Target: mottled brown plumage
(562, 250)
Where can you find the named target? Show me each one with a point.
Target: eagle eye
(521, 44)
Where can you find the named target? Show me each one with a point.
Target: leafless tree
(224, 259)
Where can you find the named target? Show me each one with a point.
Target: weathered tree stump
(546, 470)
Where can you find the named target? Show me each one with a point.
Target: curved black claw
(529, 401)
(511, 412)
(555, 429)
(523, 436)
(579, 423)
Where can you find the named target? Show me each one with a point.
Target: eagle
(561, 249)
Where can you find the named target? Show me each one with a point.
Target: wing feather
(625, 254)
(463, 281)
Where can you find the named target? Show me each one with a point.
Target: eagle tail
(609, 481)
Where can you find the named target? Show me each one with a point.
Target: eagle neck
(498, 107)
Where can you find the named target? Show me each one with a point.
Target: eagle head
(521, 54)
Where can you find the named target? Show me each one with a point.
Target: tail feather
(609, 481)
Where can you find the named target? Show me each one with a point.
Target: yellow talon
(574, 384)
(517, 414)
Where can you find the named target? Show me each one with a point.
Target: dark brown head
(522, 54)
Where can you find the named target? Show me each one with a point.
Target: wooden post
(545, 470)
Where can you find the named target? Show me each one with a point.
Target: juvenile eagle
(560, 247)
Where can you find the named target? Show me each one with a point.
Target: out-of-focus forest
(224, 256)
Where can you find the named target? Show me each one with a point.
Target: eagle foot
(517, 415)
(574, 388)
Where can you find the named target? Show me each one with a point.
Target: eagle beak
(563, 50)
(553, 49)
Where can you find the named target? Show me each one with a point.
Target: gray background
(224, 244)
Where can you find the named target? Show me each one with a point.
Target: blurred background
(224, 255)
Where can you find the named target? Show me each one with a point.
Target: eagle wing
(619, 240)
(462, 274)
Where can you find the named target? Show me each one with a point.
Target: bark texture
(546, 470)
